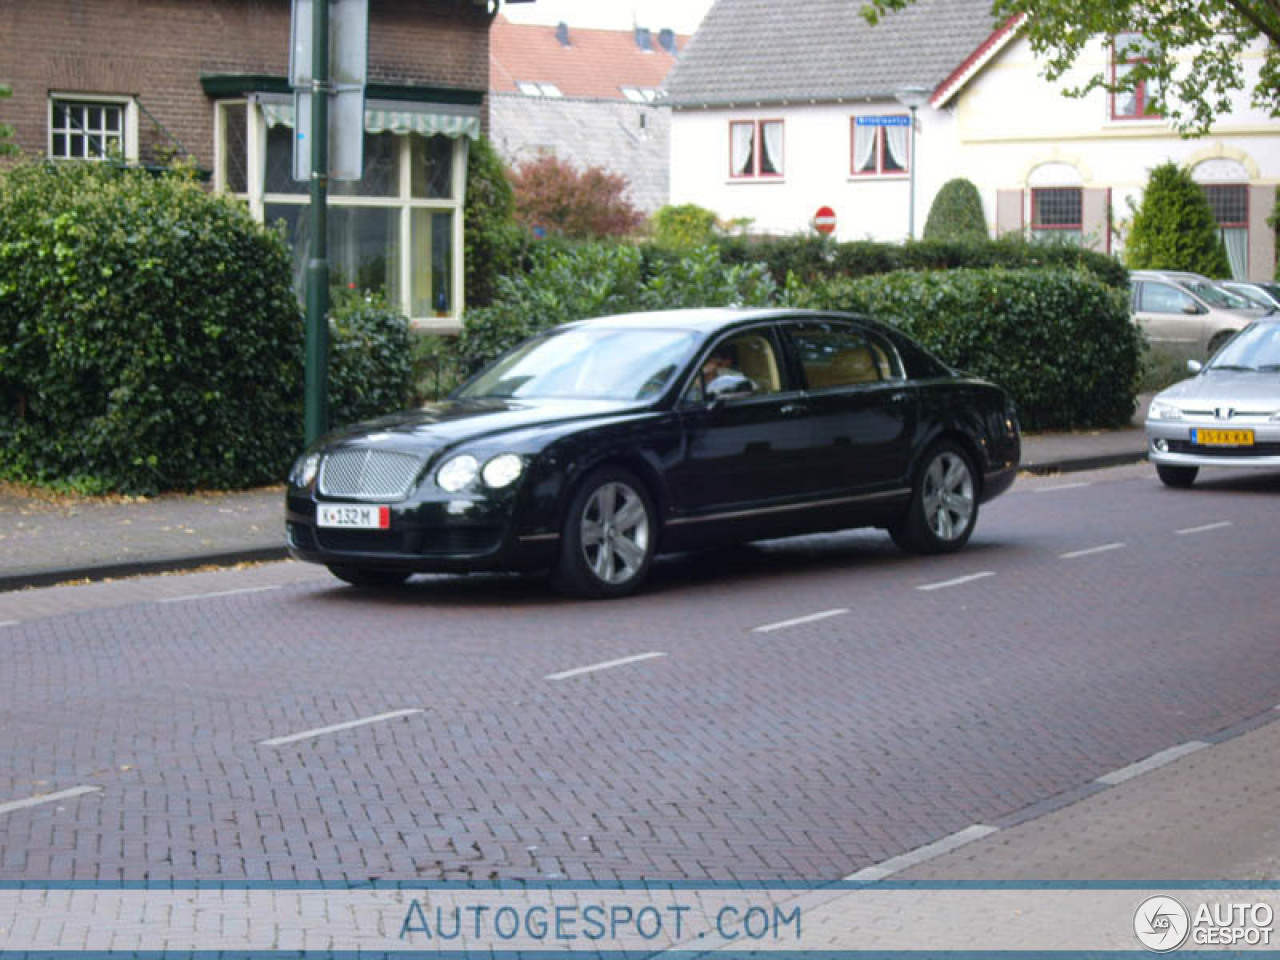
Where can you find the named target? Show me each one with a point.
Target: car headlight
(1159, 410)
(304, 470)
(457, 473)
(503, 470)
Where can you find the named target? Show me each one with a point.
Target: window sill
(878, 177)
(745, 181)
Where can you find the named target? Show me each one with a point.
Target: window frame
(881, 147)
(1225, 225)
(757, 150)
(128, 122)
(1076, 228)
(1139, 90)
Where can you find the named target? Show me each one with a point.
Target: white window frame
(129, 120)
(880, 148)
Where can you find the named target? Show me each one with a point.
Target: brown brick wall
(157, 50)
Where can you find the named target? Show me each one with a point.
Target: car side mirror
(729, 385)
(1191, 308)
(1194, 366)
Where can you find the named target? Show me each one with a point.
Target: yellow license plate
(1222, 438)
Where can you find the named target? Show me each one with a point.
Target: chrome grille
(368, 474)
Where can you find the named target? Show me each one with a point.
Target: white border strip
(218, 593)
(337, 727)
(1208, 526)
(13, 805)
(957, 581)
(921, 854)
(9, 623)
(1106, 547)
(607, 665)
(1151, 763)
(1062, 486)
(783, 624)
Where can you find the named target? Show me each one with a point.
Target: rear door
(1170, 317)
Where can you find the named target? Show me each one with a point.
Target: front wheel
(1178, 477)
(609, 538)
(944, 503)
(369, 577)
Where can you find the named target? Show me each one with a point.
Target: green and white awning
(383, 116)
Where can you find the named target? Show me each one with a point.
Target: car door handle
(791, 409)
(899, 397)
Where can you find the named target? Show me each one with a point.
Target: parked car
(1264, 295)
(1228, 415)
(588, 449)
(1186, 313)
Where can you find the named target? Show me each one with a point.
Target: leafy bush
(370, 358)
(437, 368)
(956, 214)
(684, 227)
(1060, 341)
(149, 335)
(493, 241)
(7, 147)
(1174, 227)
(552, 195)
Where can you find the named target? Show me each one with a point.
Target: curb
(133, 568)
(1078, 464)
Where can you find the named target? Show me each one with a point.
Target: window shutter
(1009, 217)
(1095, 219)
(1262, 239)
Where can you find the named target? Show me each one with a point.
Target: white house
(782, 109)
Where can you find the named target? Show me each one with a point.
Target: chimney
(667, 40)
(562, 33)
(644, 39)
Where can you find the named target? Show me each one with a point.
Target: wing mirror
(1194, 366)
(729, 385)
(1192, 308)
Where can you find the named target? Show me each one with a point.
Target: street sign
(889, 121)
(824, 221)
(348, 67)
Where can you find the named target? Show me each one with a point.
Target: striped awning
(382, 116)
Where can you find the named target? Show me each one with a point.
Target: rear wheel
(369, 577)
(1179, 477)
(944, 503)
(610, 533)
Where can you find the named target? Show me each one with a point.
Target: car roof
(1170, 275)
(706, 320)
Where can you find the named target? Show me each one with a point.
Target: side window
(751, 355)
(1162, 298)
(834, 355)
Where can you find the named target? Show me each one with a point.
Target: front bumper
(1169, 442)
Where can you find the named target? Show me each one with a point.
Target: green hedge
(370, 358)
(1060, 341)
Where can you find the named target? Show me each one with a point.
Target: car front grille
(1201, 450)
(369, 474)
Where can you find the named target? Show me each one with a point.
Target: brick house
(207, 81)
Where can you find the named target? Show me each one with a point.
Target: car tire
(609, 536)
(1178, 477)
(369, 577)
(944, 503)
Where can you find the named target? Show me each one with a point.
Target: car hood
(444, 424)
(1235, 387)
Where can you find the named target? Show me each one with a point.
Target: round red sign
(824, 221)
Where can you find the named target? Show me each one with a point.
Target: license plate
(1222, 438)
(353, 516)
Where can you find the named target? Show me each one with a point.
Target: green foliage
(594, 279)
(1174, 228)
(553, 196)
(956, 214)
(1193, 53)
(437, 368)
(1060, 341)
(494, 243)
(149, 335)
(7, 148)
(684, 227)
(370, 358)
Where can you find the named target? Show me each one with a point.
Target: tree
(956, 213)
(493, 241)
(1190, 52)
(552, 195)
(1174, 228)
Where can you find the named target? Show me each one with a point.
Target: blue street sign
(896, 121)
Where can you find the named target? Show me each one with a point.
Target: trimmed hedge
(370, 358)
(956, 214)
(1060, 341)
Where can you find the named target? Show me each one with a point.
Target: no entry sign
(824, 221)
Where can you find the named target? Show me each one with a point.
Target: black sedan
(589, 449)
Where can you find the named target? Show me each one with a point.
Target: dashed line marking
(1063, 486)
(338, 727)
(957, 581)
(607, 665)
(797, 621)
(1151, 763)
(68, 794)
(9, 623)
(218, 593)
(1105, 548)
(1208, 526)
(921, 854)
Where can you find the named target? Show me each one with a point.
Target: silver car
(1228, 415)
(1260, 294)
(1185, 313)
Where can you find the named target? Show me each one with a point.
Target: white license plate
(349, 516)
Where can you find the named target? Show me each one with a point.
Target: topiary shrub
(1174, 227)
(684, 227)
(1060, 341)
(494, 243)
(956, 214)
(149, 335)
(370, 358)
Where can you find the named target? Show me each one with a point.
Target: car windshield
(589, 364)
(1216, 296)
(1256, 347)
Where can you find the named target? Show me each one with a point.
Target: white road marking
(957, 581)
(783, 624)
(1151, 763)
(9, 623)
(1091, 550)
(46, 798)
(338, 727)
(1208, 526)
(1063, 486)
(921, 854)
(218, 593)
(607, 665)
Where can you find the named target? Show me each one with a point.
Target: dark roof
(765, 51)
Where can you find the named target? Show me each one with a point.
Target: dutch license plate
(349, 516)
(1222, 438)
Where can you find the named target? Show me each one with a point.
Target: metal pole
(317, 358)
(911, 208)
